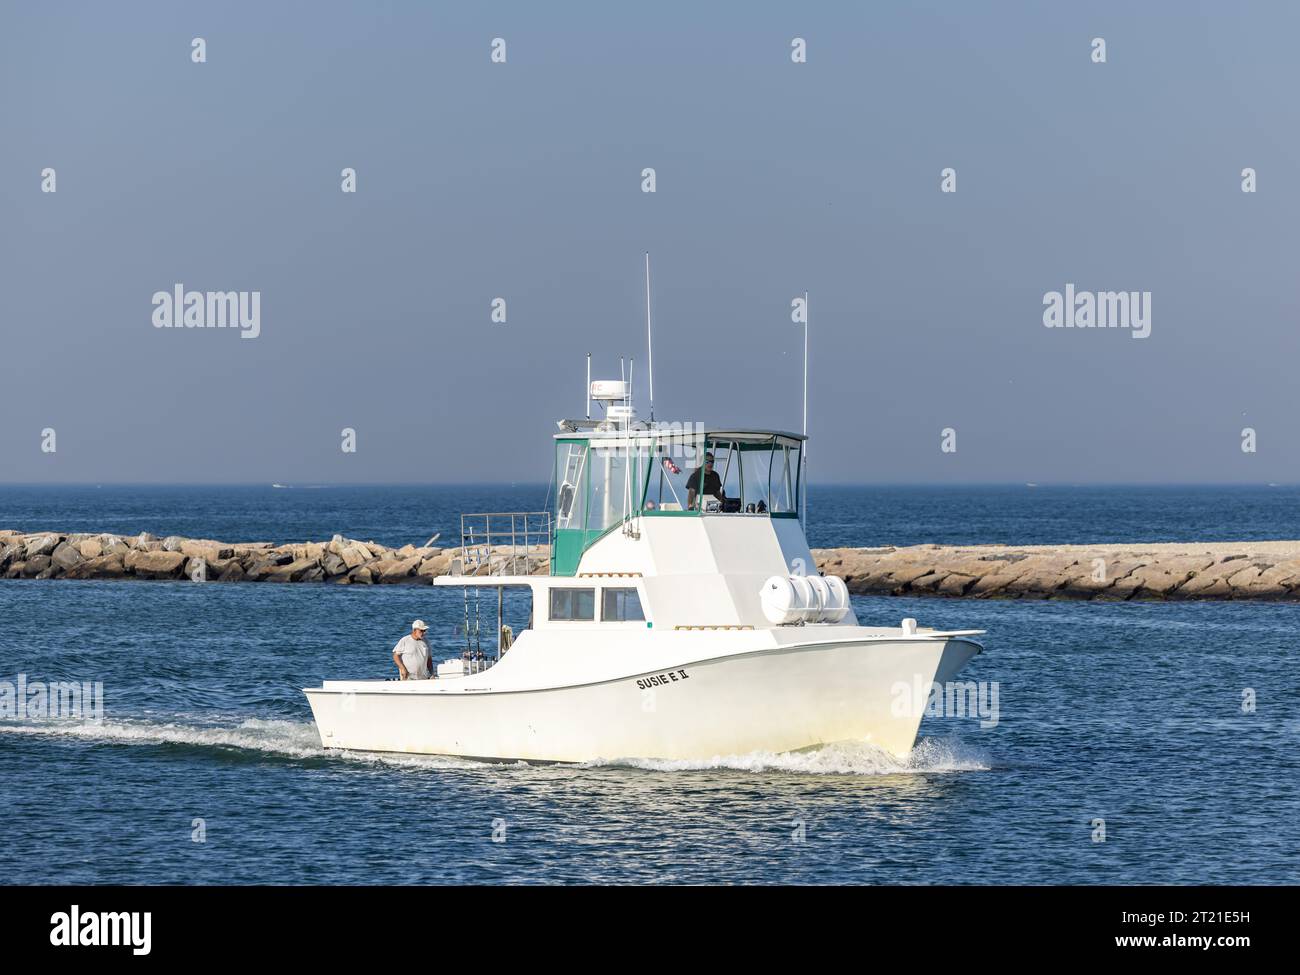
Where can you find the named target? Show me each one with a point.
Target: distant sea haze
(839, 515)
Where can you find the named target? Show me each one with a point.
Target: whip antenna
(649, 337)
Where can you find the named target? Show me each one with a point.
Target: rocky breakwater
(1193, 570)
(345, 561)
(1162, 571)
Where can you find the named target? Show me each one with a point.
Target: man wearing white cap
(412, 654)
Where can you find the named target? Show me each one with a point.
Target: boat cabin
(649, 526)
(606, 479)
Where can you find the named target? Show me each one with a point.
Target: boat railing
(501, 543)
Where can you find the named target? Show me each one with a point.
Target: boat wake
(840, 758)
(300, 740)
(278, 738)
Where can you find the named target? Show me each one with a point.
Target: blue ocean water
(876, 515)
(1127, 713)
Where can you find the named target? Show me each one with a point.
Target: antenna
(622, 372)
(631, 377)
(649, 337)
(805, 363)
(588, 385)
(807, 323)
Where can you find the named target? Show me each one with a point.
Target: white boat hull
(770, 700)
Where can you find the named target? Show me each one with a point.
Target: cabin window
(620, 605)
(569, 604)
(613, 480)
(674, 461)
(783, 482)
(758, 477)
(571, 484)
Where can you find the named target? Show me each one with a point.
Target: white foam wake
(291, 739)
(841, 758)
(300, 740)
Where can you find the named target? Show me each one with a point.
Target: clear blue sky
(522, 180)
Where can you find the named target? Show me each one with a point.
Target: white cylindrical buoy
(821, 596)
(837, 605)
(806, 605)
(804, 599)
(778, 599)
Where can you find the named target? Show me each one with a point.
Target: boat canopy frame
(592, 464)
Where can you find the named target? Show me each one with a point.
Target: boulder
(928, 582)
(1085, 582)
(1212, 583)
(355, 555)
(1161, 577)
(955, 584)
(233, 572)
(34, 566)
(212, 551)
(362, 575)
(100, 567)
(395, 570)
(12, 551)
(1043, 575)
(293, 572)
(173, 543)
(868, 575)
(155, 565)
(334, 565)
(1250, 583)
(91, 548)
(41, 545)
(436, 566)
(905, 574)
(1287, 573)
(997, 583)
(66, 556)
(259, 570)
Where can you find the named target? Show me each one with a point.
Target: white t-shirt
(415, 656)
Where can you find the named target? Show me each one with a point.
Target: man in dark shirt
(712, 483)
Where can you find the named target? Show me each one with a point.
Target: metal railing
(502, 543)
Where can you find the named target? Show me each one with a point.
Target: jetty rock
(1268, 570)
(1159, 571)
(346, 561)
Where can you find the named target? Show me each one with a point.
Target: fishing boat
(676, 613)
(666, 623)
